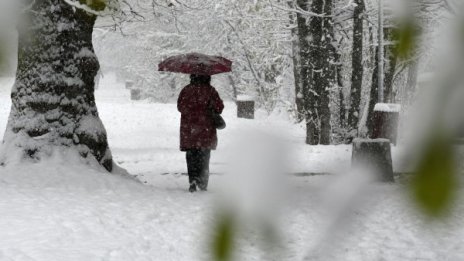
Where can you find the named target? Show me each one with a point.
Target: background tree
(270, 43)
(254, 34)
(357, 67)
(296, 55)
(322, 71)
(306, 94)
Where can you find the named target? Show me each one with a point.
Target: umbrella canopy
(196, 63)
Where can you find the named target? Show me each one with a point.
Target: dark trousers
(198, 167)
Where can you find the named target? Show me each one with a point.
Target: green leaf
(434, 184)
(406, 39)
(223, 240)
(96, 5)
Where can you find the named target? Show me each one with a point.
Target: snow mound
(67, 170)
(62, 209)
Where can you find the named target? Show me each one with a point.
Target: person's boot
(202, 185)
(193, 187)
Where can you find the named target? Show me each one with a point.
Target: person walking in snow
(197, 102)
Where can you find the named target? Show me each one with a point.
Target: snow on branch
(296, 10)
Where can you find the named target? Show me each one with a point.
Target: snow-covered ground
(56, 211)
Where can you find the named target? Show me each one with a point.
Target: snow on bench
(387, 107)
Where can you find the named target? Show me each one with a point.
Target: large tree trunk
(310, 114)
(321, 29)
(53, 102)
(374, 97)
(328, 75)
(356, 65)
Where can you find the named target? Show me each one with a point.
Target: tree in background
(390, 63)
(306, 94)
(279, 56)
(322, 73)
(357, 68)
(253, 34)
(295, 20)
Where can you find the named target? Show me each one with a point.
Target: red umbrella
(196, 63)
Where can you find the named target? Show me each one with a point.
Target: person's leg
(192, 157)
(204, 173)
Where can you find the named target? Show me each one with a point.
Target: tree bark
(321, 31)
(310, 114)
(298, 84)
(339, 81)
(328, 74)
(296, 56)
(53, 102)
(356, 65)
(374, 98)
(390, 65)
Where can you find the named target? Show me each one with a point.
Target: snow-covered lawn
(56, 211)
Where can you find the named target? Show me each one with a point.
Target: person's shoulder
(185, 90)
(205, 86)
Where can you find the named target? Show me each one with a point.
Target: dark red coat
(197, 130)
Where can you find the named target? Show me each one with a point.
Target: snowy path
(59, 212)
(144, 137)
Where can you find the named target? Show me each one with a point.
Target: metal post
(381, 54)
